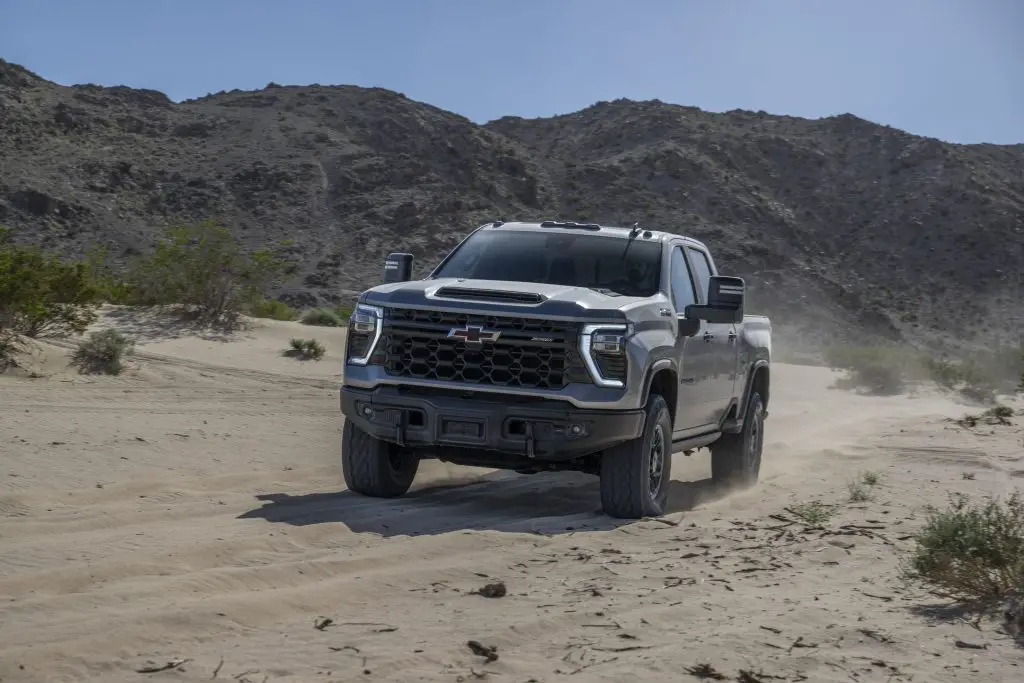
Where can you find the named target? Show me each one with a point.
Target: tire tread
(366, 467)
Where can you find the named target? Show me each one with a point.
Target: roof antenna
(633, 232)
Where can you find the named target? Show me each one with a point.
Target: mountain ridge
(844, 228)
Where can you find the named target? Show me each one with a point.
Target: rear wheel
(373, 467)
(736, 458)
(635, 475)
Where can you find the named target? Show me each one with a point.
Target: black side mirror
(725, 301)
(398, 268)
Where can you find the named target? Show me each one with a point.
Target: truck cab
(553, 346)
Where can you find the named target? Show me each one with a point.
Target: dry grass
(306, 349)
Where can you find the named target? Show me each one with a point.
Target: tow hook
(529, 440)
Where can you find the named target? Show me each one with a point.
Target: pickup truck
(557, 346)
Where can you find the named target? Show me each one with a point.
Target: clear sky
(952, 69)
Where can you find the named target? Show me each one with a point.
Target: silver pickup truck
(557, 346)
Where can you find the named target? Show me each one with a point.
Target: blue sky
(952, 69)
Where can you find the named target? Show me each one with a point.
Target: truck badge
(473, 334)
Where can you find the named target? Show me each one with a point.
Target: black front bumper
(536, 429)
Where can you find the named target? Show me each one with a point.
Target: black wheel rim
(397, 460)
(754, 444)
(657, 460)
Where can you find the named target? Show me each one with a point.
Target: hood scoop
(467, 294)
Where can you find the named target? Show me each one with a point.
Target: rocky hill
(842, 227)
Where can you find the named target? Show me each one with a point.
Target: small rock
(493, 590)
(487, 651)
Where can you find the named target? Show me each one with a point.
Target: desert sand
(190, 515)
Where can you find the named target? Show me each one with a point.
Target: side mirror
(725, 301)
(398, 268)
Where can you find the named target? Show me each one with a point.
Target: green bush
(814, 512)
(103, 352)
(42, 296)
(322, 317)
(204, 268)
(972, 552)
(998, 371)
(306, 349)
(981, 376)
(109, 284)
(879, 370)
(272, 309)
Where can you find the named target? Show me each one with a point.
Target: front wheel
(373, 467)
(635, 475)
(736, 458)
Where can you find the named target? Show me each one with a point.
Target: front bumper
(540, 429)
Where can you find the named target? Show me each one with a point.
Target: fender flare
(655, 368)
(754, 367)
(734, 424)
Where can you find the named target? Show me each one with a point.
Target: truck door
(694, 405)
(720, 339)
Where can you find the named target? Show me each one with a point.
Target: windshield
(609, 264)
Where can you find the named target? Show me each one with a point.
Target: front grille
(529, 353)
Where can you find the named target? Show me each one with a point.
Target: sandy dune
(192, 509)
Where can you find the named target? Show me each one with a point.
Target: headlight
(364, 328)
(604, 351)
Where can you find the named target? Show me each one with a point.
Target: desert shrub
(870, 478)
(861, 488)
(878, 370)
(322, 317)
(944, 372)
(981, 376)
(859, 491)
(972, 552)
(814, 512)
(103, 352)
(996, 415)
(42, 296)
(109, 284)
(306, 349)
(272, 309)
(203, 268)
(998, 371)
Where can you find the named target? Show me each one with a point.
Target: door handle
(708, 336)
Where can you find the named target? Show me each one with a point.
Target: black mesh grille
(529, 352)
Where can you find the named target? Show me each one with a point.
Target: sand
(190, 514)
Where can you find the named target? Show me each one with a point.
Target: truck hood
(497, 297)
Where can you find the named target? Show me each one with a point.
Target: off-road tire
(373, 467)
(626, 476)
(736, 458)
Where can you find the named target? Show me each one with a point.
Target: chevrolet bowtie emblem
(473, 334)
